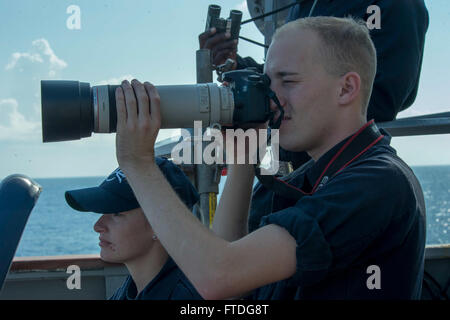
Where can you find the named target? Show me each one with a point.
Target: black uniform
(169, 284)
(372, 213)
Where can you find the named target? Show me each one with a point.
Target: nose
(281, 100)
(275, 86)
(100, 225)
(273, 105)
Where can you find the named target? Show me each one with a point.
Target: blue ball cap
(114, 194)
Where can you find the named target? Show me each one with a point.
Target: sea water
(56, 229)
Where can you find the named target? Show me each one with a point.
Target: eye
(117, 214)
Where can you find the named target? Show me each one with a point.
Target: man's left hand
(138, 124)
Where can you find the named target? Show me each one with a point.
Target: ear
(350, 88)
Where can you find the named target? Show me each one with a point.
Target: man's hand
(220, 45)
(138, 124)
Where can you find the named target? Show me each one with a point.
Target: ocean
(56, 229)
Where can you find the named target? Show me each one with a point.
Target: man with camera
(360, 207)
(399, 43)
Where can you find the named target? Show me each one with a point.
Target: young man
(127, 237)
(358, 233)
(399, 43)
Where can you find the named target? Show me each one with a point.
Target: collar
(316, 172)
(131, 290)
(328, 166)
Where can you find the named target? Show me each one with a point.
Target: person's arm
(231, 217)
(217, 268)
(399, 45)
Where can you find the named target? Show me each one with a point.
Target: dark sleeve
(179, 182)
(336, 225)
(294, 13)
(247, 62)
(399, 44)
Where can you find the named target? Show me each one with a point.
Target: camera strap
(356, 145)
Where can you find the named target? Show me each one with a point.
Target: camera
(72, 110)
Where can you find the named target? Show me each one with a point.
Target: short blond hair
(346, 46)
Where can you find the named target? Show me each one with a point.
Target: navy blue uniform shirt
(169, 284)
(370, 213)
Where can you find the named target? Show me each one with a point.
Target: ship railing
(41, 278)
(436, 123)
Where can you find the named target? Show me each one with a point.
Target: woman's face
(124, 236)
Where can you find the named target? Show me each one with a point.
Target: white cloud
(16, 56)
(41, 48)
(13, 125)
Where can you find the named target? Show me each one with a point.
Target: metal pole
(207, 176)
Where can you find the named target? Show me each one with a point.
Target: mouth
(103, 243)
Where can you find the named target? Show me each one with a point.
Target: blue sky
(147, 40)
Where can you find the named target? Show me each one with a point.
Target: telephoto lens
(67, 110)
(72, 110)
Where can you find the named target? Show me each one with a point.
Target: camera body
(251, 97)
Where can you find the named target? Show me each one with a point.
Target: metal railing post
(207, 177)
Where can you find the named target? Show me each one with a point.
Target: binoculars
(232, 24)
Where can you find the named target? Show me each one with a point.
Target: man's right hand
(220, 45)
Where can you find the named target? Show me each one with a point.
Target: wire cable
(254, 42)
